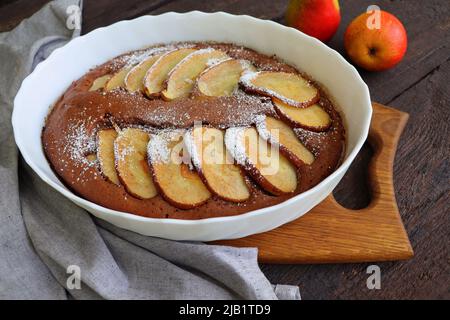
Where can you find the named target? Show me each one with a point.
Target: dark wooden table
(420, 85)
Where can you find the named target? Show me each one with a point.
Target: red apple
(376, 45)
(317, 18)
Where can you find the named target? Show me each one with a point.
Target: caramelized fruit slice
(159, 71)
(118, 79)
(312, 118)
(134, 80)
(182, 78)
(131, 164)
(214, 164)
(105, 154)
(290, 88)
(179, 185)
(276, 132)
(100, 82)
(272, 171)
(222, 78)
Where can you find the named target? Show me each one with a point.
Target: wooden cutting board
(330, 233)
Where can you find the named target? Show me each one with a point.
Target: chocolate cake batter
(69, 135)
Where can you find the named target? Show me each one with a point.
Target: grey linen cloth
(43, 235)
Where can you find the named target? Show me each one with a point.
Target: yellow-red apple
(376, 40)
(317, 18)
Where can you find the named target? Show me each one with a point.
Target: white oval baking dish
(52, 77)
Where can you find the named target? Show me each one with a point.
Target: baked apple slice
(276, 132)
(312, 118)
(290, 88)
(159, 71)
(134, 80)
(182, 78)
(130, 149)
(105, 154)
(100, 82)
(179, 185)
(206, 147)
(118, 79)
(222, 79)
(271, 170)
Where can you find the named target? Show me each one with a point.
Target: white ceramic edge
(211, 228)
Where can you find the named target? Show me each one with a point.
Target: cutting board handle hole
(353, 192)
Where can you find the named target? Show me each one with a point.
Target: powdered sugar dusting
(234, 138)
(251, 107)
(123, 153)
(191, 148)
(191, 56)
(247, 66)
(215, 61)
(247, 79)
(260, 123)
(137, 57)
(78, 144)
(319, 138)
(158, 148)
(265, 133)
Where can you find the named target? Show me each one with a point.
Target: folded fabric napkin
(46, 241)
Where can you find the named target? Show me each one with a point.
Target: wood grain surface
(419, 85)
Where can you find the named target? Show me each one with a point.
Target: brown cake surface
(70, 134)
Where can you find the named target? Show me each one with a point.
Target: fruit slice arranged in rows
(222, 79)
(134, 80)
(182, 78)
(290, 88)
(178, 184)
(215, 165)
(271, 170)
(159, 71)
(276, 132)
(105, 154)
(313, 118)
(100, 82)
(130, 157)
(118, 79)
